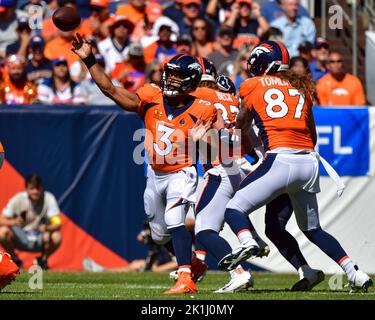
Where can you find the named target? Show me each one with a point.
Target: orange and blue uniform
(281, 113)
(167, 137)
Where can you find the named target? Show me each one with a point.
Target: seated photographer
(31, 222)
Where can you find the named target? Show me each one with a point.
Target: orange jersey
(1, 148)
(348, 91)
(167, 139)
(21, 94)
(280, 112)
(225, 103)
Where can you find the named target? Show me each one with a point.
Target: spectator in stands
(30, 5)
(131, 72)
(202, 40)
(8, 23)
(318, 66)
(49, 30)
(219, 10)
(339, 88)
(184, 44)
(191, 11)
(91, 92)
(242, 22)
(31, 222)
(15, 89)
(305, 50)
(60, 88)
(154, 72)
(299, 65)
(272, 9)
(296, 28)
(61, 46)
(20, 46)
(153, 35)
(38, 67)
(163, 48)
(174, 11)
(240, 73)
(115, 47)
(134, 10)
(224, 57)
(98, 23)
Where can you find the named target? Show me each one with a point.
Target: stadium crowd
(133, 39)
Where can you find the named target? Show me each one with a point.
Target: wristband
(89, 61)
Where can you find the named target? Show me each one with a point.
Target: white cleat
(245, 251)
(361, 282)
(309, 281)
(238, 282)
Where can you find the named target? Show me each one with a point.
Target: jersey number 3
(275, 98)
(165, 139)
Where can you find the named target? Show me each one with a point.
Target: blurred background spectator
(9, 16)
(296, 28)
(31, 222)
(300, 66)
(163, 48)
(38, 66)
(244, 25)
(339, 88)
(272, 9)
(318, 65)
(240, 73)
(202, 38)
(223, 57)
(19, 47)
(219, 10)
(60, 88)
(15, 88)
(131, 72)
(184, 44)
(305, 50)
(115, 47)
(174, 11)
(97, 25)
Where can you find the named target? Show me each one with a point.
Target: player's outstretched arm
(124, 98)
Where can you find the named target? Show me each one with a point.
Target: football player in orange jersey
(281, 104)
(222, 180)
(8, 269)
(170, 114)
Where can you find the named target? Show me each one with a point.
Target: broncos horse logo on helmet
(225, 84)
(268, 57)
(181, 75)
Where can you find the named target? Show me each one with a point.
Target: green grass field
(147, 286)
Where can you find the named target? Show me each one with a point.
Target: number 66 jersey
(280, 112)
(167, 129)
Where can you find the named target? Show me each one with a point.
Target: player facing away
(8, 269)
(281, 104)
(221, 182)
(170, 115)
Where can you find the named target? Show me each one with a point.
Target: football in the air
(66, 18)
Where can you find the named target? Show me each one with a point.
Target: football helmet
(181, 75)
(268, 57)
(225, 84)
(209, 70)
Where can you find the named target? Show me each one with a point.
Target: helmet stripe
(284, 52)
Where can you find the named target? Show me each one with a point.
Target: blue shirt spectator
(272, 10)
(318, 66)
(296, 29)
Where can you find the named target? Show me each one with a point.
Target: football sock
(186, 268)
(278, 213)
(348, 266)
(169, 247)
(215, 245)
(328, 244)
(200, 254)
(182, 243)
(239, 223)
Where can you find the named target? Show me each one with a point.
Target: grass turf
(148, 286)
